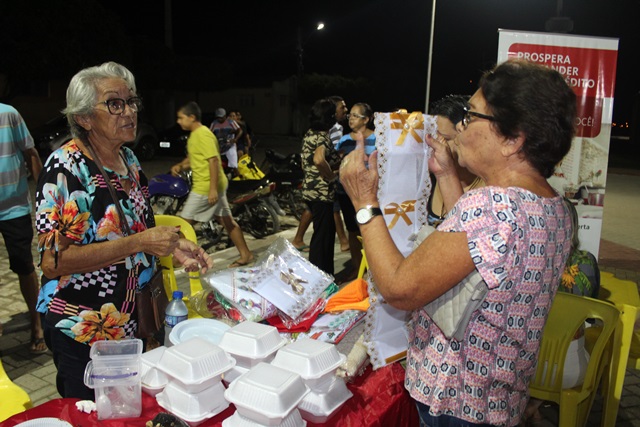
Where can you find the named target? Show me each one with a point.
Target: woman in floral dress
(90, 268)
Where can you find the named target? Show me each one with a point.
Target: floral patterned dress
(73, 200)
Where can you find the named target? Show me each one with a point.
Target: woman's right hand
(159, 241)
(441, 160)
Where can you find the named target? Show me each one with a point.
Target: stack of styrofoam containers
(316, 362)
(153, 379)
(250, 343)
(194, 391)
(266, 395)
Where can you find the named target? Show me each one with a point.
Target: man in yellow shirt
(208, 196)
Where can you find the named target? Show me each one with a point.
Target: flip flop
(38, 346)
(303, 248)
(238, 263)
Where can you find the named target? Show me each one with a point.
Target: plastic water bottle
(175, 313)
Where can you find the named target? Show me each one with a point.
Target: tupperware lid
(251, 339)
(125, 348)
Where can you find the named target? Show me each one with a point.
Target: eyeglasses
(116, 106)
(468, 114)
(357, 116)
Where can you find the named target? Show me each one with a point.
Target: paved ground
(619, 254)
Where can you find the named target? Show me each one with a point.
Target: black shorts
(18, 234)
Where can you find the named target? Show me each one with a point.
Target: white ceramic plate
(45, 422)
(209, 329)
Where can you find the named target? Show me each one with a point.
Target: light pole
(300, 55)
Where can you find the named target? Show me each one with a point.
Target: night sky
(387, 40)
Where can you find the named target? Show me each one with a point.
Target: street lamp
(300, 54)
(300, 47)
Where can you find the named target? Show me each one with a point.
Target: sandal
(38, 346)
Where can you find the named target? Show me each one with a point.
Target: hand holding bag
(452, 310)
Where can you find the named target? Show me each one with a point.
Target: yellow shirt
(202, 145)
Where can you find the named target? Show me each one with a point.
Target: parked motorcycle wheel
(164, 205)
(260, 220)
(210, 234)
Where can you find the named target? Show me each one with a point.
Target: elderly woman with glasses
(515, 233)
(91, 262)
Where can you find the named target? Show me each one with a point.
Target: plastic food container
(209, 329)
(114, 372)
(266, 394)
(193, 407)
(153, 379)
(294, 419)
(320, 407)
(251, 343)
(196, 363)
(234, 373)
(315, 361)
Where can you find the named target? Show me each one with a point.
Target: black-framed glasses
(116, 106)
(468, 114)
(357, 116)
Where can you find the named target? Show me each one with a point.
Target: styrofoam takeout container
(193, 407)
(315, 361)
(234, 373)
(266, 394)
(196, 363)
(209, 329)
(153, 379)
(251, 343)
(294, 419)
(320, 407)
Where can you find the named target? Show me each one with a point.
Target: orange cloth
(353, 296)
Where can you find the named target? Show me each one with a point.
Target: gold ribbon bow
(293, 280)
(400, 211)
(408, 124)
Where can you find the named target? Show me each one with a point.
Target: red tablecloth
(379, 399)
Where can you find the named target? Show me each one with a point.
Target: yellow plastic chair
(364, 266)
(626, 350)
(168, 274)
(568, 313)
(13, 399)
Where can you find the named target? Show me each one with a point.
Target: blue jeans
(427, 420)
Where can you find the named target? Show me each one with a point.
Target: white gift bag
(403, 192)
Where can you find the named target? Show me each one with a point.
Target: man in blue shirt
(16, 148)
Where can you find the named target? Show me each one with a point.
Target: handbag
(452, 311)
(151, 300)
(151, 304)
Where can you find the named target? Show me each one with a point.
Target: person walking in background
(208, 196)
(335, 133)
(449, 111)
(88, 189)
(244, 142)
(515, 233)
(319, 163)
(17, 148)
(360, 120)
(227, 132)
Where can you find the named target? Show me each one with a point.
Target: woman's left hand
(360, 182)
(192, 256)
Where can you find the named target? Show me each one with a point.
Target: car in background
(51, 135)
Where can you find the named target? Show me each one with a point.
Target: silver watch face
(364, 215)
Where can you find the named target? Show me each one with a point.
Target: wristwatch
(366, 214)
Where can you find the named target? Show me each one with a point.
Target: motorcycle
(286, 172)
(246, 199)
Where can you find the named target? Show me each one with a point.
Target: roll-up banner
(589, 66)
